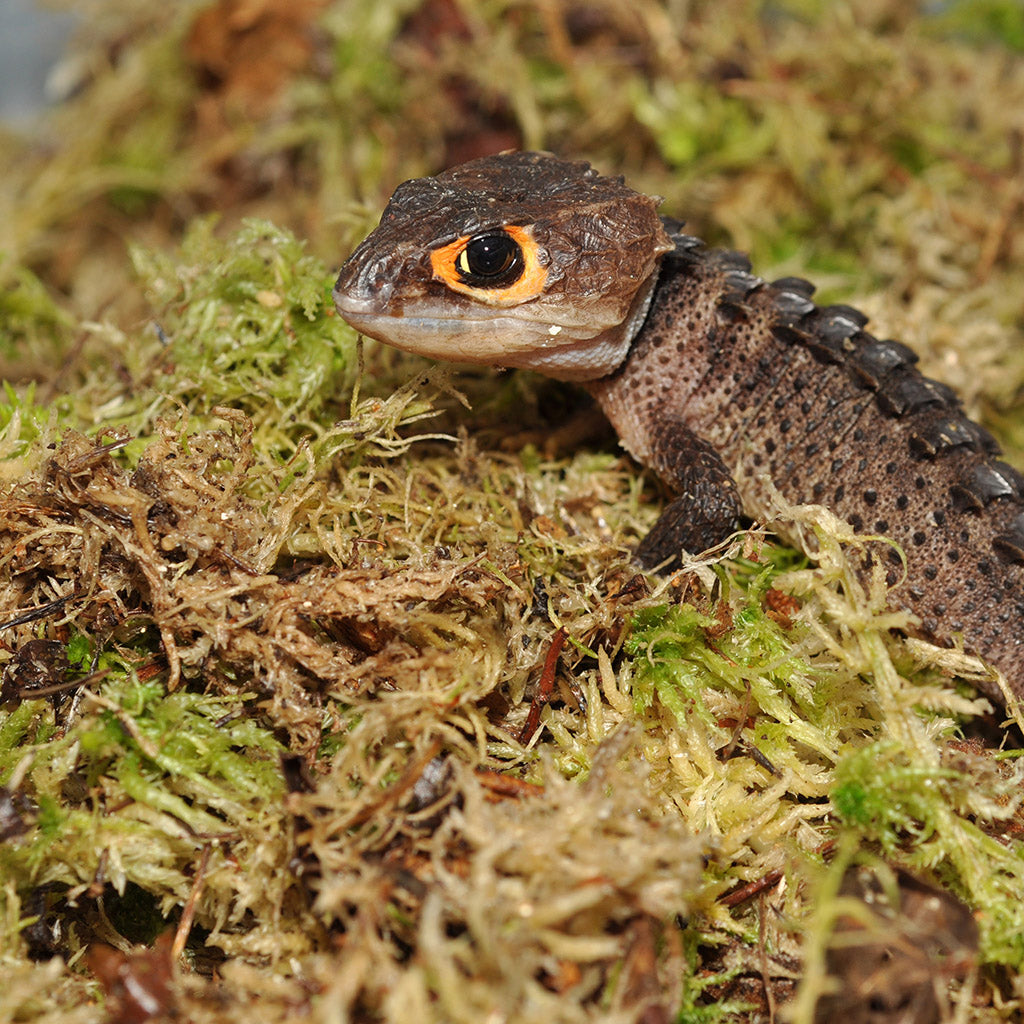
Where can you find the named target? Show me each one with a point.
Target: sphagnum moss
(329, 578)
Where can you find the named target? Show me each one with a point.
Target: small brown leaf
(137, 985)
(781, 607)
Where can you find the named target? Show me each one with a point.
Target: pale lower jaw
(497, 340)
(567, 352)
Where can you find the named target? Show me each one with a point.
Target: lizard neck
(590, 361)
(662, 360)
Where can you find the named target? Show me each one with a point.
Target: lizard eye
(500, 266)
(490, 260)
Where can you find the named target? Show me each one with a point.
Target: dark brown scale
(771, 391)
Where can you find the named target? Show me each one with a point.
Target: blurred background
(32, 41)
(874, 146)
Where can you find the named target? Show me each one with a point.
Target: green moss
(890, 799)
(699, 131)
(247, 322)
(696, 1007)
(680, 651)
(981, 21)
(149, 769)
(940, 820)
(17, 725)
(29, 317)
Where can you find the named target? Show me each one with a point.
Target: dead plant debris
(895, 953)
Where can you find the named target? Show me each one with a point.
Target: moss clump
(944, 816)
(680, 651)
(247, 322)
(24, 423)
(887, 797)
(134, 793)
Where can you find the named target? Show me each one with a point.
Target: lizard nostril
(361, 284)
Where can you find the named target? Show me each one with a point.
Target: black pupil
(491, 255)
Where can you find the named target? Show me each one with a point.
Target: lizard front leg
(706, 508)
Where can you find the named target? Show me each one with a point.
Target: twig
(545, 687)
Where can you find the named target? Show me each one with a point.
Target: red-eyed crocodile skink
(726, 385)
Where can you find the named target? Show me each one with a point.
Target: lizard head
(519, 259)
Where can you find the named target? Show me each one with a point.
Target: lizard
(730, 387)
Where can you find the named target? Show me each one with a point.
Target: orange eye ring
(460, 269)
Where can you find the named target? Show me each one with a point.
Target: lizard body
(728, 386)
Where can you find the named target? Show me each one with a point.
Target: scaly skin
(727, 386)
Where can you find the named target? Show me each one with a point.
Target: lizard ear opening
(499, 267)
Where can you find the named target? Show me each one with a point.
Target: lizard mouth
(436, 329)
(487, 338)
(461, 338)
(349, 306)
